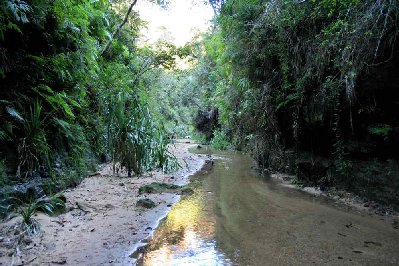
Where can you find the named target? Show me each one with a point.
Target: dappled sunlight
(186, 236)
(185, 213)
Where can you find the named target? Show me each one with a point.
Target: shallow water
(236, 217)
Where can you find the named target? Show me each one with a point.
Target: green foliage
(220, 141)
(134, 139)
(286, 53)
(19, 10)
(200, 138)
(128, 134)
(58, 101)
(63, 107)
(47, 205)
(380, 130)
(3, 174)
(304, 77)
(164, 159)
(33, 148)
(29, 224)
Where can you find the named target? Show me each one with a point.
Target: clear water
(236, 217)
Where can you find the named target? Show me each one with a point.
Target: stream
(237, 217)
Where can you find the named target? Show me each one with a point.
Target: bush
(3, 174)
(220, 141)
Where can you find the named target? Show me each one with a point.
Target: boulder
(207, 120)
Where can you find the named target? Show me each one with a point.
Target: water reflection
(235, 217)
(186, 237)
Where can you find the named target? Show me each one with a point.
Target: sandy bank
(103, 224)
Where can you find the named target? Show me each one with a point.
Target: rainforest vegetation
(311, 87)
(76, 91)
(307, 87)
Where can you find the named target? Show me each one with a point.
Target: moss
(165, 187)
(145, 203)
(186, 191)
(157, 188)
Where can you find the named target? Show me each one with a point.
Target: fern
(59, 101)
(19, 9)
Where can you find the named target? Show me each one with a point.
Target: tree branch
(118, 28)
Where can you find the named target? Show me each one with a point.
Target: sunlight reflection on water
(236, 217)
(193, 250)
(186, 236)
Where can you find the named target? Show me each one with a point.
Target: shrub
(220, 141)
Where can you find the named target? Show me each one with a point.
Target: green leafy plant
(47, 205)
(163, 158)
(33, 148)
(220, 141)
(382, 130)
(129, 134)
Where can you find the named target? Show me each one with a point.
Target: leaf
(19, 10)
(288, 99)
(380, 130)
(14, 113)
(65, 126)
(47, 207)
(57, 100)
(3, 135)
(13, 26)
(61, 97)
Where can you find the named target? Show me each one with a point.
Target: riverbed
(237, 217)
(102, 223)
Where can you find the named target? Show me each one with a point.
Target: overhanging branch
(118, 28)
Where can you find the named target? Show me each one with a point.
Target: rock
(207, 120)
(156, 187)
(349, 225)
(373, 243)
(94, 174)
(208, 165)
(145, 203)
(60, 261)
(199, 147)
(25, 191)
(26, 240)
